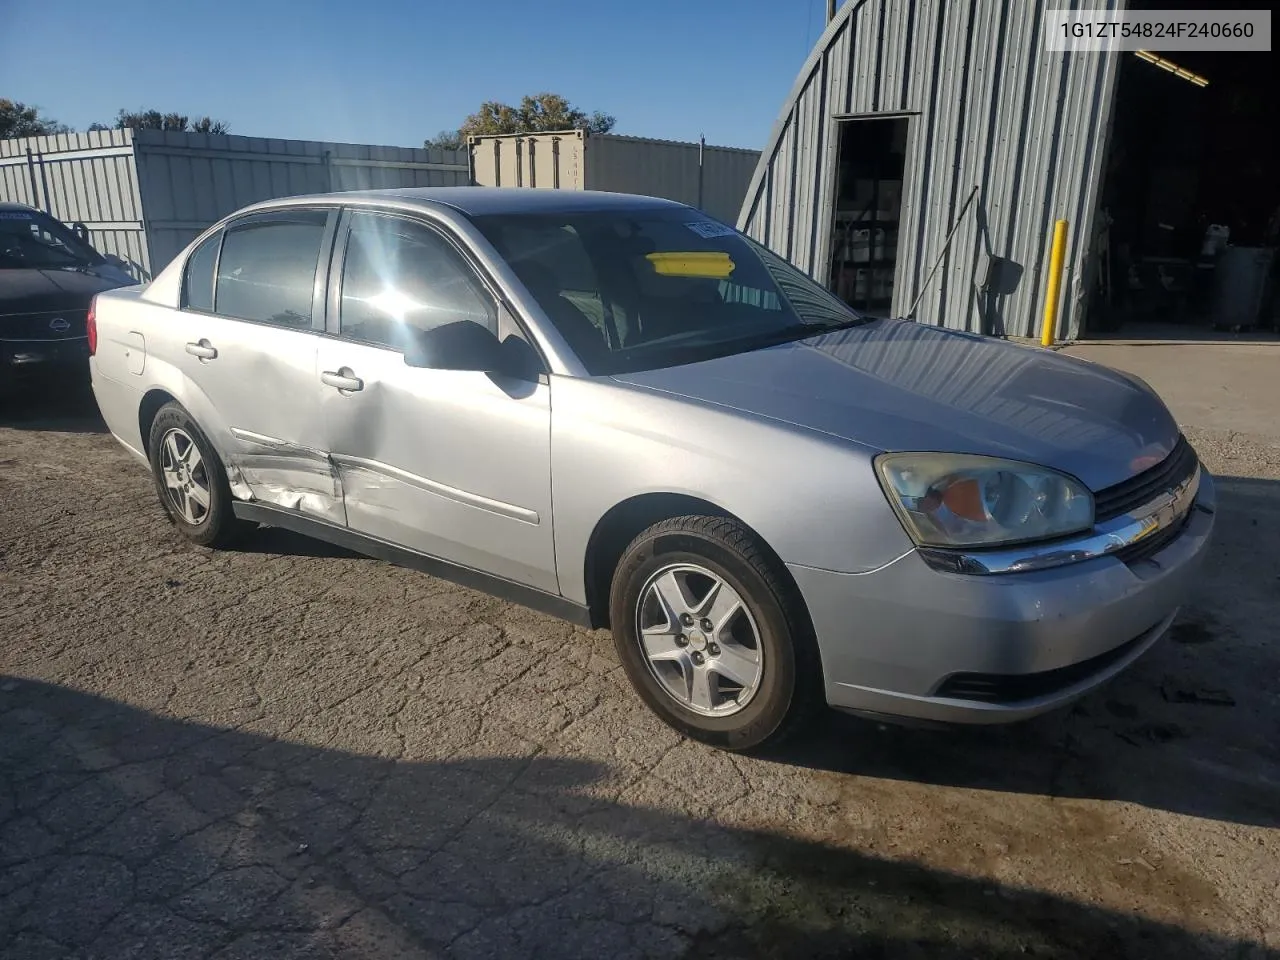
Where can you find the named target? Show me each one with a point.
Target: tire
(181, 454)
(689, 556)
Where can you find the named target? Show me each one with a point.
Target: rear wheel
(713, 634)
(190, 479)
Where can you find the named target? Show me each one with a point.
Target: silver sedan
(622, 412)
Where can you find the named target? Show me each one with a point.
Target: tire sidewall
(213, 525)
(768, 708)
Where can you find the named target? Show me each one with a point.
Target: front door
(251, 323)
(452, 464)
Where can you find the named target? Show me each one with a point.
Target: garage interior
(871, 159)
(1189, 212)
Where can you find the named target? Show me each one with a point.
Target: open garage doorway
(1189, 217)
(870, 161)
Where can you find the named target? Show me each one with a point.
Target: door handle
(343, 379)
(203, 349)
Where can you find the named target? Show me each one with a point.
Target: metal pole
(44, 182)
(946, 244)
(1053, 294)
(702, 146)
(31, 175)
(831, 10)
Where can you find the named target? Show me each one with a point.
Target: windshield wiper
(847, 324)
(800, 332)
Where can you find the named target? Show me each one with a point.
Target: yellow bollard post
(1053, 294)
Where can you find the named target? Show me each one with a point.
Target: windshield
(31, 239)
(638, 290)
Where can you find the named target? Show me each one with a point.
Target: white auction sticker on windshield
(709, 228)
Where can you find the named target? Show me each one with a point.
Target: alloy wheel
(699, 639)
(186, 479)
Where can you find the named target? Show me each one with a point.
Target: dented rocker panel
(285, 474)
(549, 603)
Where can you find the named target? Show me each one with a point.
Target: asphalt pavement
(285, 750)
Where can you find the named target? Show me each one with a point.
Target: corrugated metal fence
(145, 194)
(81, 177)
(713, 179)
(190, 180)
(987, 107)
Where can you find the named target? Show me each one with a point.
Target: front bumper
(33, 356)
(911, 641)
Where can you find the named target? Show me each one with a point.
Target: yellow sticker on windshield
(706, 265)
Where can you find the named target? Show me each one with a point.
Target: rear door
(453, 464)
(251, 323)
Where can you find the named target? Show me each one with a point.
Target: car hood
(29, 290)
(895, 385)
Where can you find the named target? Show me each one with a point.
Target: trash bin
(1240, 286)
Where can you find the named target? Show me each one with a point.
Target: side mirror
(461, 345)
(81, 232)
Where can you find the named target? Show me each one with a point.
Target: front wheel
(713, 634)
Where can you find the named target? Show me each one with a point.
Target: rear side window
(197, 284)
(267, 271)
(399, 276)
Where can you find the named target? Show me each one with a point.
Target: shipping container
(145, 194)
(713, 179)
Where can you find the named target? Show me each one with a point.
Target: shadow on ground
(123, 834)
(1189, 728)
(274, 540)
(60, 404)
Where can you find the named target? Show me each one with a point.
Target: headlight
(956, 500)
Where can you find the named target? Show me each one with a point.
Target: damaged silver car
(621, 412)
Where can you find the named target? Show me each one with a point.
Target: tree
(155, 120)
(447, 140)
(20, 120)
(540, 113)
(209, 125)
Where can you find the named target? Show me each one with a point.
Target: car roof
(17, 207)
(482, 201)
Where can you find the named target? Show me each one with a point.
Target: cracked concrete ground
(289, 751)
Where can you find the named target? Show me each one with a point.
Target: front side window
(267, 271)
(197, 282)
(640, 289)
(399, 276)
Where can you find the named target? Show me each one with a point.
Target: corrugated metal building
(145, 194)
(713, 179)
(978, 103)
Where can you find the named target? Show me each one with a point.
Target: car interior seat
(585, 338)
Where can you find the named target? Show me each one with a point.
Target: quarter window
(197, 285)
(267, 271)
(399, 276)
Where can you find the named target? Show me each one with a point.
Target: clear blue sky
(397, 71)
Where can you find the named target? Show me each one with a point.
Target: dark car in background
(48, 277)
